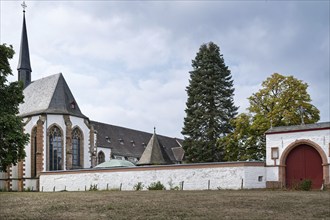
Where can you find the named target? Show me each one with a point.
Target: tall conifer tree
(210, 105)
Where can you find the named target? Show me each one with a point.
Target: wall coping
(159, 167)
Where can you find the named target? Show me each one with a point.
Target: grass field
(222, 204)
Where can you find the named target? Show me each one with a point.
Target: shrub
(27, 189)
(3, 190)
(139, 186)
(305, 185)
(93, 187)
(156, 186)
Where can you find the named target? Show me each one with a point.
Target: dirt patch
(245, 204)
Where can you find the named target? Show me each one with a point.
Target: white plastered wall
(29, 183)
(233, 177)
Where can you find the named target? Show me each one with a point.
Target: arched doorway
(304, 162)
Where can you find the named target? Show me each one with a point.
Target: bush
(305, 185)
(139, 186)
(93, 187)
(156, 186)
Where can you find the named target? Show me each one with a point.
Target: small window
(133, 143)
(73, 105)
(274, 152)
(121, 141)
(260, 178)
(100, 157)
(107, 139)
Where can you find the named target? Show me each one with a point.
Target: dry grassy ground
(245, 204)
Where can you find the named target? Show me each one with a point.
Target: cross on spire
(23, 6)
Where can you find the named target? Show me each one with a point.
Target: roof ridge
(92, 121)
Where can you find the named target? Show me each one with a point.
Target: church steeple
(24, 66)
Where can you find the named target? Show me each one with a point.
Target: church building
(63, 138)
(65, 146)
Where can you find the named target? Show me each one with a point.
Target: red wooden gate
(304, 162)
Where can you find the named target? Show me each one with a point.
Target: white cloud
(128, 63)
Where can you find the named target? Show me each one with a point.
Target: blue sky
(127, 63)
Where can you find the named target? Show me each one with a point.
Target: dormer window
(144, 144)
(107, 139)
(73, 105)
(121, 141)
(133, 143)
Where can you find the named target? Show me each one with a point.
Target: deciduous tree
(12, 137)
(282, 101)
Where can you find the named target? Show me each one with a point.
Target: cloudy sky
(127, 63)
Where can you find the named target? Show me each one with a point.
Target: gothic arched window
(55, 149)
(34, 152)
(77, 151)
(100, 157)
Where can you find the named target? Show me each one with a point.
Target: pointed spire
(24, 66)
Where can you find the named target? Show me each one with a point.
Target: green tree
(241, 145)
(282, 101)
(12, 137)
(210, 105)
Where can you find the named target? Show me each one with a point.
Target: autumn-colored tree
(282, 101)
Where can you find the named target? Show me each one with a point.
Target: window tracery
(55, 149)
(76, 147)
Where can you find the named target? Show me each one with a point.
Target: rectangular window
(275, 153)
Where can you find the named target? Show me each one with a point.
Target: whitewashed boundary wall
(231, 175)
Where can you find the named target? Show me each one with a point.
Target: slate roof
(284, 129)
(50, 95)
(132, 143)
(153, 153)
(115, 163)
(24, 55)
